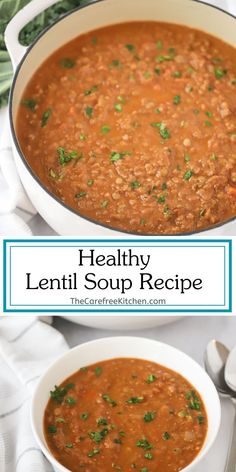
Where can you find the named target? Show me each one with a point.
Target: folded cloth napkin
(12, 194)
(15, 196)
(27, 347)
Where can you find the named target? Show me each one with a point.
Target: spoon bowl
(215, 358)
(230, 370)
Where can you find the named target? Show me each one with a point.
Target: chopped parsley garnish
(102, 421)
(67, 63)
(166, 436)
(160, 199)
(209, 114)
(67, 156)
(117, 467)
(213, 157)
(60, 420)
(54, 174)
(165, 58)
(89, 111)
(104, 203)
(84, 416)
(177, 74)
(94, 452)
(159, 44)
(117, 441)
(58, 394)
(69, 445)
(164, 132)
(98, 436)
(134, 400)
(151, 378)
(115, 63)
(188, 174)
(183, 413)
(80, 195)
(91, 90)
(166, 211)
(90, 182)
(118, 107)
(144, 469)
(105, 129)
(71, 401)
(108, 399)
(98, 371)
(208, 123)
(82, 137)
(52, 429)
(200, 419)
(202, 212)
(116, 156)
(220, 73)
(29, 103)
(130, 47)
(148, 455)
(45, 117)
(149, 416)
(144, 444)
(177, 100)
(187, 157)
(135, 184)
(157, 71)
(164, 186)
(194, 401)
(147, 74)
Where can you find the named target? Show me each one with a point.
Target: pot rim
(36, 178)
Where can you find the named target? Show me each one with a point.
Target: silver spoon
(230, 370)
(215, 358)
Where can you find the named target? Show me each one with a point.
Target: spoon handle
(231, 458)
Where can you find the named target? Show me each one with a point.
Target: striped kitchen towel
(27, 347)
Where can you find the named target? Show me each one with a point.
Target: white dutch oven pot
(95, 15)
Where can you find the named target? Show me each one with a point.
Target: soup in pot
(134, 126)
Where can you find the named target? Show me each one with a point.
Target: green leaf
(45, 117)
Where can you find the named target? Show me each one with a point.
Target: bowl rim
(120, 339)
(36, 178)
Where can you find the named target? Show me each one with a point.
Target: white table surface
(190, 335)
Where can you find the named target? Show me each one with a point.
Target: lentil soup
(125, 414)
(134, 126)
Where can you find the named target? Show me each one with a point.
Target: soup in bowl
(125, 403)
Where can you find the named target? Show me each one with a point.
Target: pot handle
(13, 29)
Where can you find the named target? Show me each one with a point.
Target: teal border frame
(227, 242)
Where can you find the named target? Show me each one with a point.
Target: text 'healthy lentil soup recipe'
(134, 126)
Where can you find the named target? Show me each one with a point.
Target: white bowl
(122, 322)
(108, 348)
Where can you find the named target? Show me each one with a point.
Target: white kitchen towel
(12, 194)
(27, 347)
